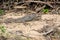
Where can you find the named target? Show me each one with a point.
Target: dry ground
(27, 29)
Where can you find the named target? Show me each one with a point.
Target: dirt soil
(27, 30)
(29, 20)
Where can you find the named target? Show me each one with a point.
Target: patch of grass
(45, 11)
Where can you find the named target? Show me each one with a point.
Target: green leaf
(2, 28)
(45, 10)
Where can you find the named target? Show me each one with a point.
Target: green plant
(45, 10)
(2, 29)
(28, 38)
(1, 12)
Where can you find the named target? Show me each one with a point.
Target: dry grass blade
(20, 7)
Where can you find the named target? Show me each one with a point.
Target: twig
(38, 9)
(47, 3)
